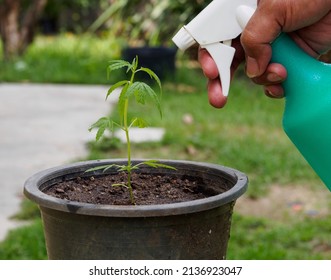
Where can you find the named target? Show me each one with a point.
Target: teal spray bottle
(307, 113)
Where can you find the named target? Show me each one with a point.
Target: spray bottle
(307, 113)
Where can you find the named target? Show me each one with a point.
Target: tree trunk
(9, 14)
(29, 23)
(15, 36)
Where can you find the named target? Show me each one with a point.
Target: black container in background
(162, 60)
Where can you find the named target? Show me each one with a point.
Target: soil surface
(147, 189)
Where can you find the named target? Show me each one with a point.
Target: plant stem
(127, 135)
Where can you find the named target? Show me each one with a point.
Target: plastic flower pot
(197, 229)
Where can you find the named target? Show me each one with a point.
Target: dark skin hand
(307, 22)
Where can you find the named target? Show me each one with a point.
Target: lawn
(63, 59)
(247, 135)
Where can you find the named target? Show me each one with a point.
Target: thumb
(262, 28)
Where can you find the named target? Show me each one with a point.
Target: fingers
(308, 21)
(215, 94)
(263, 28)
(275, 74)
(271, 79)
(274, 91)
(208, 65)
(209, 68)
(311, 25)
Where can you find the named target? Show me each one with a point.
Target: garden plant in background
(148, 27)
(149, 22)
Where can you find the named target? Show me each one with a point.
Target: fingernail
(273, 77)
(252, 67)
(272, 94)
(269, 93)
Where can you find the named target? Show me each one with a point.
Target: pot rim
(32, 191)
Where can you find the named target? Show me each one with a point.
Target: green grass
(63, 59)
(25, 243)
(262, 239)
(247, 135)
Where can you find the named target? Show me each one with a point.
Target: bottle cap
(183, 39)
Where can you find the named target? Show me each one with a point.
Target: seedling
(141, 92)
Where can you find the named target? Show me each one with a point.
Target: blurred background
(286, 211)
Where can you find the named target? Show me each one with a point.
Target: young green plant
(130, 89)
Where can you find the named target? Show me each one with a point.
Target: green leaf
(141, 91)
(120, 185)
(102, 167)
(118, 64)
(125, 168)
(121, 100)
(102, 124)
(115, 86)
(152, 75)
(139, 122)
(98, 123)
(155, 164)
(134, 64)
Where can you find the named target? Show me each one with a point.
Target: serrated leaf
(100, 133)
(139, 122)
(115, 86)
(155, 164)
(98, 123)
(125, 168)
(102, 124)
(153, 75)
(141, 91)
(118, 64)
(102, 167)
(131, 89)
(160, 165)
(111, 166)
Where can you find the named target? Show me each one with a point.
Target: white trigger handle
(223, 55)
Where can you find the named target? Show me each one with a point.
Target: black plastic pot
(197, 229)
(159, 59)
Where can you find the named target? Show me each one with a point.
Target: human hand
(307, 22)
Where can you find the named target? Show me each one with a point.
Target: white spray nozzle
(214, 28)
(243, 15)
(183, 39)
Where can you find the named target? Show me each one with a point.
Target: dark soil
(147, 188)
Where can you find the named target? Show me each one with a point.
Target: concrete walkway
(42, 126)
